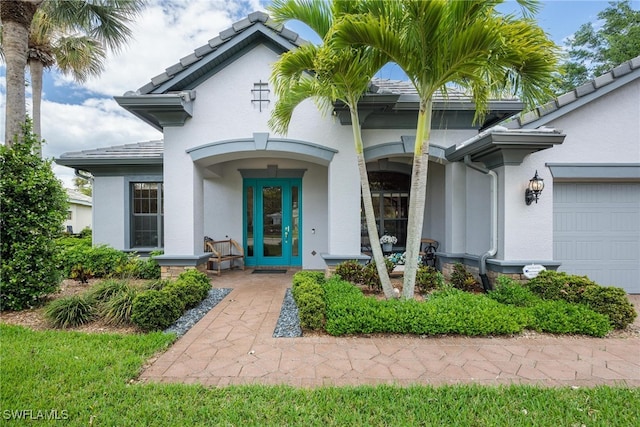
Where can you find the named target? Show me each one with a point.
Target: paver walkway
(233, 344)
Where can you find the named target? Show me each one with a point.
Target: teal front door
(272, 221)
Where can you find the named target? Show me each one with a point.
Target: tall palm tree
(440, 44)
(16, 17)
(327, 75)
(74, 36)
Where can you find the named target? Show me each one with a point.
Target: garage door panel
(597, 232)
(625, 222)
(625, 250)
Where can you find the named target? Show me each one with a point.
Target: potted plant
(387, 242)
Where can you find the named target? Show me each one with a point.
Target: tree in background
(75, 36)
(34, 207)
(441, 44)
(593, 51)
(15, 17)
(83, 185)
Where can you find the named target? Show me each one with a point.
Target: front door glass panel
(272, 221)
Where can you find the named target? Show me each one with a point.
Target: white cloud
(167, 31)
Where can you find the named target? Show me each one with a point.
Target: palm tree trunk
(16, 19)
(369, 214)
(417, 198)
(36, 68)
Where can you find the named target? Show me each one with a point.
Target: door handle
(286, 233)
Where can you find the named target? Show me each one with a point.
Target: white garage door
(596, 232)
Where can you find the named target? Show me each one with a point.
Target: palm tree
(16, 17)
(440, 44)
(327, 75)
(74, 35)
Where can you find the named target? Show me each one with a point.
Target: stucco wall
(109, 201)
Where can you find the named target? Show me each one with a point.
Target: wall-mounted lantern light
(531, 194)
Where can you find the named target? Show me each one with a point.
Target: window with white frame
(147, 215)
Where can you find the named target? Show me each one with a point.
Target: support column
(343, 208)
(455, 209)
(183, 213)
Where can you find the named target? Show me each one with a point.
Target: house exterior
(79, 212)
(294, 200)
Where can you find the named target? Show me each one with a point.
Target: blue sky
(79, 117)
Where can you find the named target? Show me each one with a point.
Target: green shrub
(70, 311)
(366, 275)
(187, 292)
(554, 285)
(612, 302)
(369, 276)
(351, 271)
(317, 276)
(101, 260)
(462, 279)
(155, 310)
(146, 268)
(195, 276)
(562, 317)
(309, 296)
(428, 279)
(509, 291)
(34, 207)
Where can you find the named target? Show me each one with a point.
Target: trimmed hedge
(610, 301)
(308, 293)
(450, 311)
(562, 317)
(158, 309)
(154, 310)
(554, 316)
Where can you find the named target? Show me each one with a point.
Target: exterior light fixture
(533, 191)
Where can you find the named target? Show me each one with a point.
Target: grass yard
(87, 379)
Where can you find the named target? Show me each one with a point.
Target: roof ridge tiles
(224, 36)
(591, 86)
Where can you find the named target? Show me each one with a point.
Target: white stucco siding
(434, 221)
(527, 230)
(183, 208)
(478, 221)
(109, 214)
(606, 130)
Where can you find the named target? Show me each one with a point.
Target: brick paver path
(233, 344)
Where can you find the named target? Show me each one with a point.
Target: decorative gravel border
(193, 315)
(288, 325)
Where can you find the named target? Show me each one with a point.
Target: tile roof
(628, 71)
(216, 45)
(140, 150)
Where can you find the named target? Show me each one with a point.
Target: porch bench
(224, 250)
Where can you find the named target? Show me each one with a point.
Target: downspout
(482, 267)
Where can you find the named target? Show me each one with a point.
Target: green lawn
(86, 380)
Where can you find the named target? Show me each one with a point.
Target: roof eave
(500, 148)
(160, 110)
